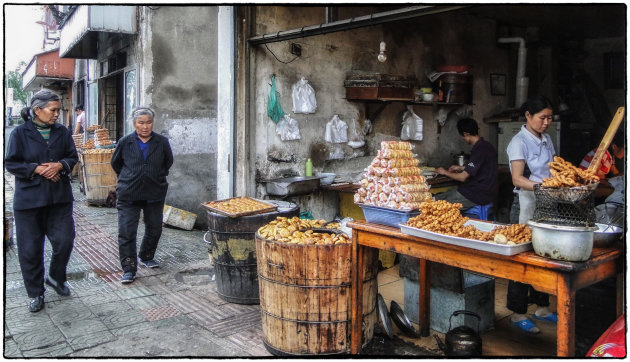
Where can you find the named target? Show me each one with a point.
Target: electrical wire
(279, 59)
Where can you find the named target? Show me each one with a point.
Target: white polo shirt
(536, 153)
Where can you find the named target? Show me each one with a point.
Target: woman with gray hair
(141, 161)
(41, 155)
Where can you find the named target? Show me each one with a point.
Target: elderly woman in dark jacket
(41, 155)
(141, 161)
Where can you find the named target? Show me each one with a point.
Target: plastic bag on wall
(288, 129)
(336, 131)
(303, 97)
(336, 153)
(274, 109)
(356, 137)
(412, 126)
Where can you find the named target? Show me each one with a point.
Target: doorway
(112, 115)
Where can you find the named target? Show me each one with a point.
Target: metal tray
(270, 207)
(470, 243)
(292, 185)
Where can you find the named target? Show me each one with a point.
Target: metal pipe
(352, 23)
(522, 82)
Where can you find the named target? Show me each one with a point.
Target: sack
(274, 109)
(356, 137)
(336, 131)
(412, 126)
(303, 97)
(288, 129)
(336, 153)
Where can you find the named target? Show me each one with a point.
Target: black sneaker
(36, 304)
(150, 263)
(127, 278)
(60, 289)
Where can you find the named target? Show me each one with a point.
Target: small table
(559, 278)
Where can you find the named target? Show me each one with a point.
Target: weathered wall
(414, 47)
(179, 82)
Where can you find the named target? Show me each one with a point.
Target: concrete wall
(414, 47)
(178, 79)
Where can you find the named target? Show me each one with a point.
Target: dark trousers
(520, 295)
(128, 219)
(31, 227)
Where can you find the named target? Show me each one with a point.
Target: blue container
(386, 216)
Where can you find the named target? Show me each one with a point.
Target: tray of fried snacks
(239, 206)
(442, 221)
(303, 232)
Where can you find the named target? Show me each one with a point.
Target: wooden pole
(610, 133)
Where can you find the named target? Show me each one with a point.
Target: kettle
(462, 341)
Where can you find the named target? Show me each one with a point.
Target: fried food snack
(564, 174)
(445, 218)
(295, 231)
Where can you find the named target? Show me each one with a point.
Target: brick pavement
(170, 311)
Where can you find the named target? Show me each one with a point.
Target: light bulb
(381, 56)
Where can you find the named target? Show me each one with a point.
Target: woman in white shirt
(529, 153)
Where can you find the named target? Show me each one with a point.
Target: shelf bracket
(376, 113)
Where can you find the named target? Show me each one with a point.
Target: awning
(80, 32)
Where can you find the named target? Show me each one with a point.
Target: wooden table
(559, 278)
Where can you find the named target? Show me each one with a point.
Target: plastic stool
(482, 212)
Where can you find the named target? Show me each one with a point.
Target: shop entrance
(111, 105)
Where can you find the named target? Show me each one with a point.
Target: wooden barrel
(305, 297)
(233, 253)
(99, 176)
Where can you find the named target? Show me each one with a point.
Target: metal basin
(289, 186)
(605, 235)
(569, 243)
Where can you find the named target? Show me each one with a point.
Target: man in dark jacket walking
(141, 161)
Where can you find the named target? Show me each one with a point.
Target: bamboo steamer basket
(305, 297)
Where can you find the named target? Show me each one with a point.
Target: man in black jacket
(141, 161)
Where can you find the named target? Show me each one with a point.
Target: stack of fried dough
(564, 174)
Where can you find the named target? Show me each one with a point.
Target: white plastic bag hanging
(356, 138)
(288, 129)
(412, 126)
(303, 97)
(336, 131)
(336, 153)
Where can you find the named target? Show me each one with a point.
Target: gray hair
(142, 111)
(39, 100)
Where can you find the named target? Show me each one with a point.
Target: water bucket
(232, 249)
(305, 297)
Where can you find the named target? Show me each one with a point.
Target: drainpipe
(522, 82)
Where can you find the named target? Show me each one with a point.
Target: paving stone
(106, 309)
(234, 324)
(39, 338)
(132, 329)
(250, 340)
(78, 327)
(57, 350)
(161, 312)
(134, 292)
(151, 301)
(91, 340)
(29, 322)
(123, 318)
(11, 349)
(102, 296)
(70, 312)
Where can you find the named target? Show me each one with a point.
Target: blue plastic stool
(482, 212)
